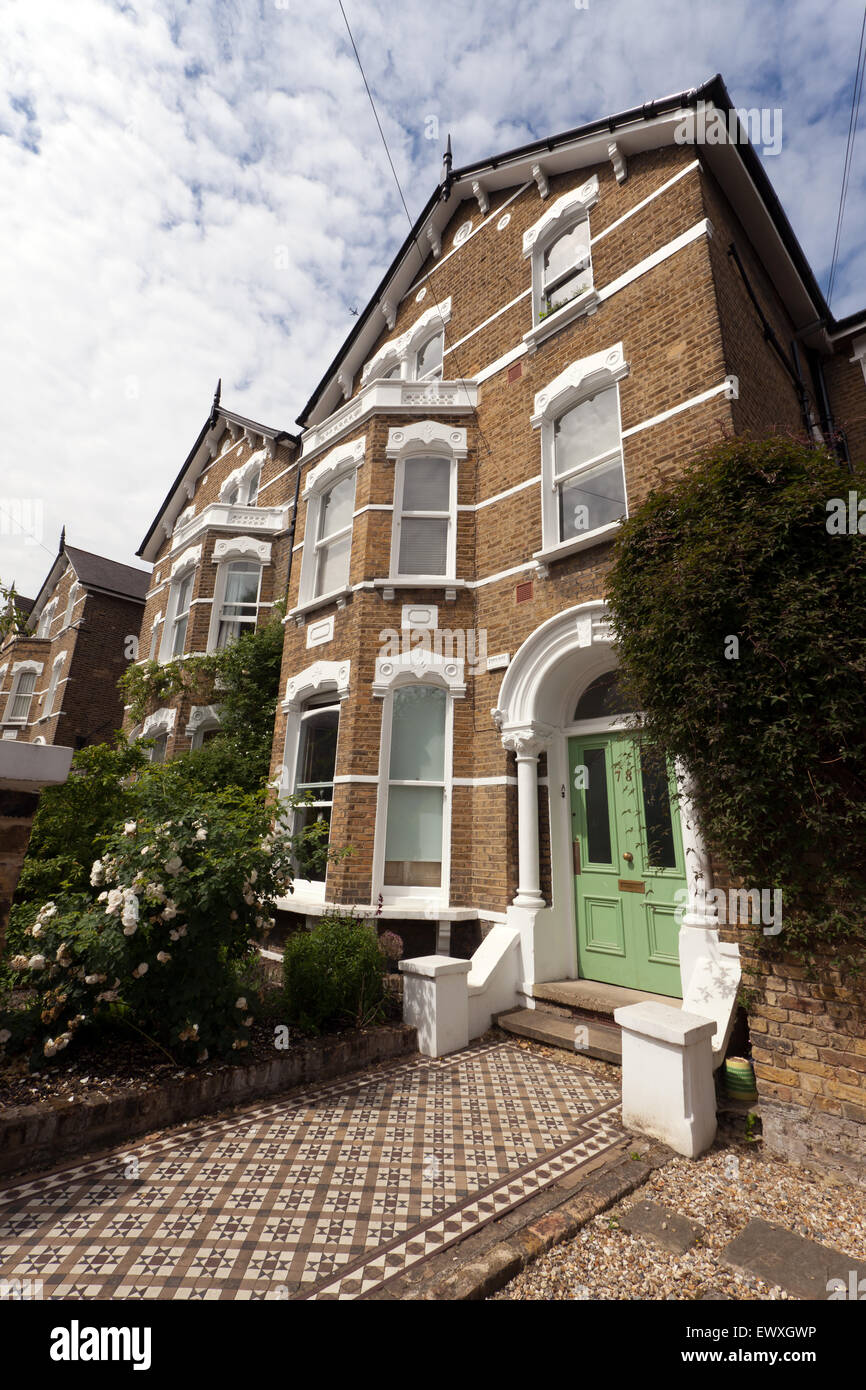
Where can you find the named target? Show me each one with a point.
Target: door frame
(564, 903)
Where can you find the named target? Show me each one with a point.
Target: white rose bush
(161, 941)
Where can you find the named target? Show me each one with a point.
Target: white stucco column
(699, 932)
(526, 744)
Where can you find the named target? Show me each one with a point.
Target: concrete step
(600, 1040)
(590, 997)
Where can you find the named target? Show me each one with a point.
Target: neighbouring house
(220, 546)
(565, 325)
(58, 679)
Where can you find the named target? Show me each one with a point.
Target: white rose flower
(49, 1047)
(241, 1003)
(130, 827)
(174, 866)
(140, 969)
(36, 963)
(201, 834)
(97, 873)
(129, 917)
(36, 930)
(163, 956)
(94, 979)
(170, 910)
(248, 1022)
(114, 901)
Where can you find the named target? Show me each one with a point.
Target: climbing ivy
(738, 598)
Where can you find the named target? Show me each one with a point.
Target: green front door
(628, 864)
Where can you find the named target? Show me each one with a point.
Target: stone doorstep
(603, 1040)
(798, 1265)
(595, 997)
(489, 1259)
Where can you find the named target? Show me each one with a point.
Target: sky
(199, 190)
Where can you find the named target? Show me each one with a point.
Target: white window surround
(858, 348)
(202, 718)
(426, 438)
(250, 550)
(51, 692)
(242, 478)
(580, 380)
(417, 667)
(182, 569)
(162, 721)
(339, 463)
(21, 670)
(561, 217)
(404, 350)
(72, 600)
(46, 618)
(319, 679)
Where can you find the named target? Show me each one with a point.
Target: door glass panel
(661, 851)
(598, 847)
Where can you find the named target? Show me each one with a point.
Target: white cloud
(155, 157)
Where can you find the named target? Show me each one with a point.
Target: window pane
(157, 754)
(184, 594)
(587, 430)
(336, 512)
(179, 636)
(333, 565)
(430, 356)
(418, 734)
(254, 486)
(317, 751)
(603, 696)
(567, 289)
(311, 857)
(242, 584)
(597, 812)
(423, 546)
(392, 374)
(427, 485)
(661, 853)
(592, 499)
(567, 251)
(413, 842)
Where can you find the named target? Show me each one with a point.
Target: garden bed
(101, 1096)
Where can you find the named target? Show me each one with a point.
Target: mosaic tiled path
(326, 1194)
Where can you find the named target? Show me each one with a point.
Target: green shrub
(163, 934)
(333, 976)
(774, 738)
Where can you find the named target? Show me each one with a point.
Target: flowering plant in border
(174, 906)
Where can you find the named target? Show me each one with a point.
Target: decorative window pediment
(322, 675)
(427, 436)
(422, 666)
(339, 460)
(160, 722)
(189, 560)
(574, 204)
(242, 548)
(410, 343)
(240, 486)
(578, 379)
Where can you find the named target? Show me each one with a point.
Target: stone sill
(335, 596)
(585, 303)
(566, 548)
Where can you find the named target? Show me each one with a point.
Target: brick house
(220, 546)
(564, 327)
(58, 679)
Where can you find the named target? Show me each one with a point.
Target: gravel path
(722, 1192)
